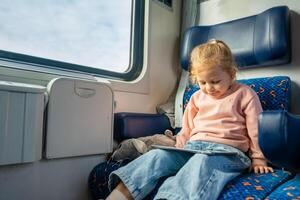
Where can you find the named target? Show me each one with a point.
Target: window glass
(91, 34)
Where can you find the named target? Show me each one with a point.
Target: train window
(104, 38)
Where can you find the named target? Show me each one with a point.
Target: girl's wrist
(259, 162)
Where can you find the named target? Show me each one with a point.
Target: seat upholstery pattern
(253, 186)
(288, 190)
(273, 92)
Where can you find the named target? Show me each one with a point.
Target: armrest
(133, 125)
(279, 138)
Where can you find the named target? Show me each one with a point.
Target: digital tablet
(193, 151)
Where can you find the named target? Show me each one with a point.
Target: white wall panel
(21, 122)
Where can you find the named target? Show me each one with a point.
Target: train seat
(263, 39)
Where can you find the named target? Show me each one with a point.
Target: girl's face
(216, 82)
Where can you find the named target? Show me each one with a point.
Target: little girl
(221, 116)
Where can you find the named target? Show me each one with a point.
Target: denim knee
(223, 163)
(169, 158)
(158, 154)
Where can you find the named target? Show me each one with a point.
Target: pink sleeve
(252, 111)
(188, 116)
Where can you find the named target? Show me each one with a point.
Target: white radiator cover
(21, 122)
(79, 118)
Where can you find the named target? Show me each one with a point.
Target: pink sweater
(232, 120)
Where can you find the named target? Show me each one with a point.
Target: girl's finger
(269, 169)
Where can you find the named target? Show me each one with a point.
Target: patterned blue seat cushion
(253, 186)
(273, 92)
(288, 190)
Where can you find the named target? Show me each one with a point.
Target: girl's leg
(123, 189)
(202, 177)
(142, 174)
(120, 193)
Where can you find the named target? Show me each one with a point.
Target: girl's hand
(261, 169)
(180, 141)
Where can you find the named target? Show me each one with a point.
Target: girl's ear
(233, 74)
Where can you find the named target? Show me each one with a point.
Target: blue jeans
(190, 176)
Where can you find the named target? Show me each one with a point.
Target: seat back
(274, 92)
(257, 40)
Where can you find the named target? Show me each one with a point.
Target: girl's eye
(216, 82)
(202, 83)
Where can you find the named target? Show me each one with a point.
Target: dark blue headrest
(258, 40)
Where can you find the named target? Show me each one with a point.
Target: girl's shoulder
(245, 88)
(246, 91)
(197, 94)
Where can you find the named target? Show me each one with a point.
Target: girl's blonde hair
(214, 53)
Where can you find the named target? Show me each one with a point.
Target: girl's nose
(210, 88)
